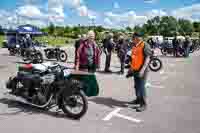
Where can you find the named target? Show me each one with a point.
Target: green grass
(1, 40)
(52, 41)
(56, 41)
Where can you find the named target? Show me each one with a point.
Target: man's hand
(141, 73)
(130, 73)
(77, 68)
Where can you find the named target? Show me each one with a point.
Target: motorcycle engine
(48, 79)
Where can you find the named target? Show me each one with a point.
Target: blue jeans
(140, 89)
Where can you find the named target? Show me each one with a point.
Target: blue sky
(109, 13)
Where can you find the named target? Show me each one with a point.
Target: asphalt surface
(173, 102)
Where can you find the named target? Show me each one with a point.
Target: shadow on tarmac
(103, 72)
(28, 109)
(109, 102)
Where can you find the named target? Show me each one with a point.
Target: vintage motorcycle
(32, 55)
(155, 63)
(53, 84)
(16, 50)
(56, 53)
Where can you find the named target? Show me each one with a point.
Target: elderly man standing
(140, 56)
(88, 55)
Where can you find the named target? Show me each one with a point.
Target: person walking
(88, 55)
(140, 56)
(108, 45)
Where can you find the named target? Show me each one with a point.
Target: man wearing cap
(140, 56)
(88, 54)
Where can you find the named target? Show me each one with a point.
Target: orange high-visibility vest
(137, 56)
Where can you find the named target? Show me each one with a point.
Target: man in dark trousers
(175, 43)
(187, 45)
(122, 47)
(140, 56)
(108, 45)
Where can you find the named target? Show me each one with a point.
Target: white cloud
(150, 1)
(74, 3)
(189, 12)
(107, 21)
(82, 11)
(128, 18)
(116, 5)
(30, 11)
(56, 12)
(153, 13)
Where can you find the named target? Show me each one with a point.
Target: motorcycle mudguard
(91, 87)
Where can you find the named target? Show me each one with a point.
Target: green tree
(196, 26)
(51, 29)
(185, 27)
(129, 29)
(168, 26)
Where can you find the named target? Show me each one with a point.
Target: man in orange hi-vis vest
(140, 58)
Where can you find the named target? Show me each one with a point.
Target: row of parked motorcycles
(34, 54)
(167, 50)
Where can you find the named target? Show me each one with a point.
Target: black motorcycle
(16, 50)
(32, 55)
(44, 86)
(56, 53)
(155, 63)
(167, 50)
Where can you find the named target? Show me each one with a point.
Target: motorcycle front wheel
(164, 51)
(75, 106)
(155, 64)
(63, 56)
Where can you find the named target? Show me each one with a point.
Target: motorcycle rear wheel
(155, 64)
(63, 56)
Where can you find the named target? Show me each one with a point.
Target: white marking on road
(148, 85)
(115, 113)
(111, 114)
(162, 72)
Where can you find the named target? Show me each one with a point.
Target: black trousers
(108, 61)
(122, 62)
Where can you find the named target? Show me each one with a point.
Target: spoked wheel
(12, 52)
(164, 51)
(39, 58)
(75, 105)
(155, 64)
(63, 56)
(181, 53)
